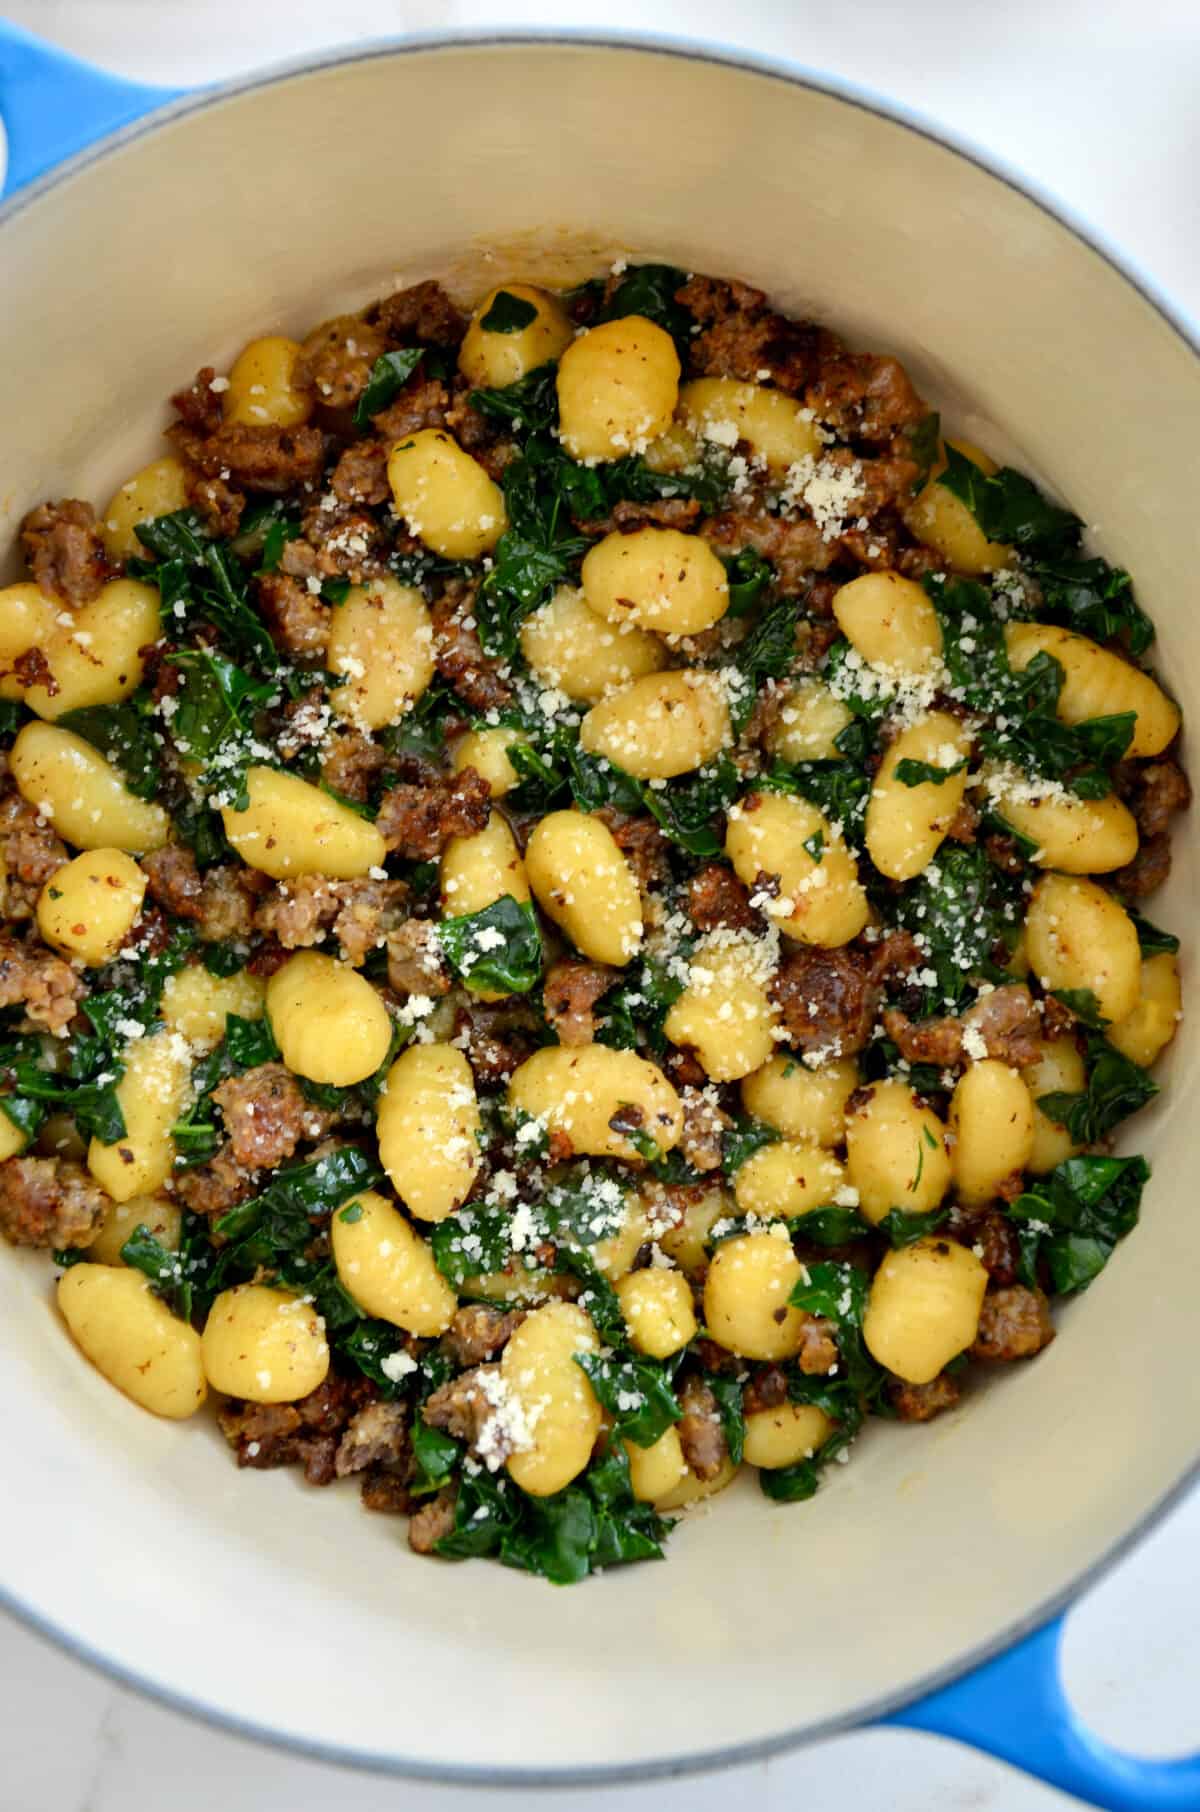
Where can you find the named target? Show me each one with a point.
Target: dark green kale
(1151, 939)
(475, 1241)
(650, 290)
(631, 1015)
(922, 444)
(903, 1229)
(637, 1392)
(1071, 1220)
(508, 313)
(1009, 507)
(594, 1523)
(127, 735)
(967, 914)
(690, 811)
(919, 773)
(1093, 598)
(213, 722)
(544, 492)
(742, 1140)
(498, 950)
(389, 374)
(202, 580)
(839, 789)
(1115, 1089)
(750, 576)
(530, 405)
(767, 653)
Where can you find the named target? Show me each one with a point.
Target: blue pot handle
(52, 105)
(1014, 1707)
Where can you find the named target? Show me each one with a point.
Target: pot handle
(53, 105)
(1014, 1707)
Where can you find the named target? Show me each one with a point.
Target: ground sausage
(716, 898)
(49, 1202)
(479, 1331)
(337, 358)
(421, 403)
(991, 1236)
(705, 1124)
(794, 545)
(368, 913)
(30, 852)
(414, 959)
(216, 501)
(921, 1402)
(305, 1433)
(350, 761)
(64, 546)
(701, 1434)
(297, 617)
(466, 1408)
(422, 312)
(434, 1519)
(1014, 1323)
(742, 338)
(1007, 1020)
(419, 821)
(267, 1116)
(376, 1435)
(571, 990)
(47, 987)
(826, 999)
(269, 459)
(213, 1188)
(300, 911)
(458, 653)
(360, 475)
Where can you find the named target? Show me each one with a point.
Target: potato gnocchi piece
(907, 823)
(264, 1345)
(131, 1337)
(896, 1153)
(569, 646)
(81, 794)
(778, 837)
(603, 1103)
(389, 1270)
(513, 330)
(429, 1129)
(617, 389)
(923, 1307)
(725, 1013)
(778, 429)
(546, 1404)
(582, 881)
(656, 579)
(660, 726)
(1098, 683)
(1081, 940)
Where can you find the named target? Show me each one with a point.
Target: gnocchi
(661, 725)
(88, 908)
(445, 496)
(264, 1345)
(569, 646)
(381, 647)
(656, 579)
(290, 827)
(131, 1337)
(329, 1022)
(389, 1270)
(1081, 940)
(583, 882)
(514, 329)
(604, 1103)
(618, 386)
(820, 899)
(81, 794)
(429, 1129)
(725, 1013)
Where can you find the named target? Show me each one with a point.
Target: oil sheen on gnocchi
(577, 876)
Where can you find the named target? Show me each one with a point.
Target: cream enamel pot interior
(272, 203)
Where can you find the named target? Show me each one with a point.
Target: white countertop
(1096, 100)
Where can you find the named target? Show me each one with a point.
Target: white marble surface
(1095, 98)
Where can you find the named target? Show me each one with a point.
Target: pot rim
(866, 99)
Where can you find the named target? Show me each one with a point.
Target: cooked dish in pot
(571, 883)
